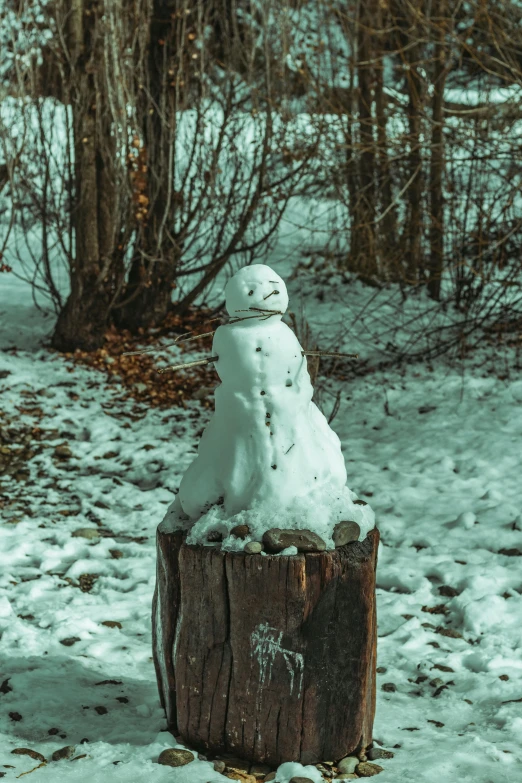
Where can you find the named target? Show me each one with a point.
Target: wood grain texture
(269, 658)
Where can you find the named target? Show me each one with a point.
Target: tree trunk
(437, 160)
(387, 228)
(409, 37)
(271, 658)
(147, 297)
(83, 320)
(364, 251)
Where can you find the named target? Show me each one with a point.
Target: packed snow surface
(268, 457)
(436, 448)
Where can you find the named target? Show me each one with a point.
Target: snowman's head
(255, 286)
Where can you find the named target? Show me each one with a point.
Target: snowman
(268, 458)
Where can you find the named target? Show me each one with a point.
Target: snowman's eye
(250, 293)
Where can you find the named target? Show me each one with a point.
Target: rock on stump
(270, 658)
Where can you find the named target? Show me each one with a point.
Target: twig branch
(189, 364)
(331, 353)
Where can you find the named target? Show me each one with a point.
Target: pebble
(275, 540)
(348, 764)
(253, 548)
(368, 770)
(389, 687)
(86, 532)
(301, 780)
(219, 766)
(240, 531)
(379, 753)
(64, 753)
(345, 532)
(175, 757)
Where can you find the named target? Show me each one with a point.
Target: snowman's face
(255, 286)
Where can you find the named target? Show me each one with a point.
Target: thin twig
(189, 364)
(181, 338)
(43, 764)
(331, 353)
(291, 447)
(270, 294)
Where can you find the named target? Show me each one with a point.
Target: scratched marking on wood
(266, 644)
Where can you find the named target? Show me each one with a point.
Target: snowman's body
(268, 456)
(267, 440)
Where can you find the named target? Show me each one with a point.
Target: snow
(268, 457)
(434, 447)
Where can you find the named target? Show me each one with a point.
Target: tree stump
(270, 658)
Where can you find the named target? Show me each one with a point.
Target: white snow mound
(268, 457)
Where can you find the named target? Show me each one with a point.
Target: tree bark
(271, 658)
(437, 159)
(409, 36)
(147, 296)
(364, 251)
(83, 320)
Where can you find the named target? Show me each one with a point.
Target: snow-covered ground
(435, 449)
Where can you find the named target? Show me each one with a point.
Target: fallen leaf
(28, 752)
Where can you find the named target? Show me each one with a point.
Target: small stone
(360, 502)
(381, 670)
(253, 547)
(175, 757)
(348, 764)
(215, 536)
(219, 766)
(368, 770)
(275, 540)
(63, 451)
(117, 554)
(112, 624)
(345, 532)
(301, 780)
(389, 687)
(90, 533)
(64, 753)
(240, 531)
(101, 710)
(379, 753)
